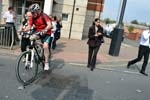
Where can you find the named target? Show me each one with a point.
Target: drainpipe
(23, 9)
(72, 19)
(0, 10)
(48, 5)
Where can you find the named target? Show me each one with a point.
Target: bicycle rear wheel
(26, 73)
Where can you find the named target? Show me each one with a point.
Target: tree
(143, 24)
(109, 21)
(130, 29)
(134, 22)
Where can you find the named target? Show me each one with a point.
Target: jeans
(92, 56)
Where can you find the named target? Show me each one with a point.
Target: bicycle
(28, 61)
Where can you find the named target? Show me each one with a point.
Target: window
(65, 17)
(19, 6)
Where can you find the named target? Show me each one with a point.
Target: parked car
(108, 30)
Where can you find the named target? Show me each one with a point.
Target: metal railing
(6, 36)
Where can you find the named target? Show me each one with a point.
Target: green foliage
(130, 29)
(143, 24)
(134, 22)
(109, 21)
(139, 23)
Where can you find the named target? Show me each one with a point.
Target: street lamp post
(72, 18)
(118, 32)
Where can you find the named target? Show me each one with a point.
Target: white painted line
(110, 69)
(130, 72)
(107, 69)
(77, 64)
(126, 45)
(107, 65)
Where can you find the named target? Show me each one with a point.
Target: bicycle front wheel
(26, 70)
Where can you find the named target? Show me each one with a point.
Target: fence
(6, 36)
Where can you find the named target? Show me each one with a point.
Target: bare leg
(46, 52)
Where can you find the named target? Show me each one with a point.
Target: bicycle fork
(32, 59)
(26, 61)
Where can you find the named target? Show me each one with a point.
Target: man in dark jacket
(95, 40)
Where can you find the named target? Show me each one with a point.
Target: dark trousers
(50, 43)
(92, 56)
(14, 29)
(54, 42)
(143, 51)
(24, 43)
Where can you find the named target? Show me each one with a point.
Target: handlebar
(29, 33)
(25, 33)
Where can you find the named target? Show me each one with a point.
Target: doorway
(21, 6)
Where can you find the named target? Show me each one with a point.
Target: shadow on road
(55, 86)
(59, 48)
(58, 87)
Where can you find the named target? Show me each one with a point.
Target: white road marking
(106, 67)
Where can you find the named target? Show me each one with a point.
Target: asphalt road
(73, 82)
(131, 42)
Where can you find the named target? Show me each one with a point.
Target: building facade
(19, 7)
(77, 15)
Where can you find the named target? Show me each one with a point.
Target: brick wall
(135, 35)
(96, 5)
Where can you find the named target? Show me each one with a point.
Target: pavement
(76, 52)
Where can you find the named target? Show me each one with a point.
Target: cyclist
(44, 27)
(24, 38)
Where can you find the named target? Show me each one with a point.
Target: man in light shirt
(9, 19)
(144, 50)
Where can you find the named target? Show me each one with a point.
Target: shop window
(65, 17)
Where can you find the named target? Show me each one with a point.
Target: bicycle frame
(30, 59)
(33, 52)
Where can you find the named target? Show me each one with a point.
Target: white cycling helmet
(34, 7)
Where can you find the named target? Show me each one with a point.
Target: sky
(135, 10)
